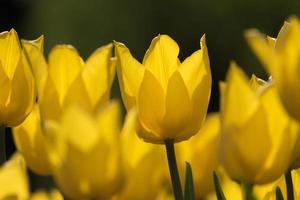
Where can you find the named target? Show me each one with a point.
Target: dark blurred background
(88, 24)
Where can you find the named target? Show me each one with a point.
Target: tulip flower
(17, 94)
(201, 152)
(139, 158)
(66, 79)
(30, 141)
(85, 152)
(250, 113)
(171, 97)
(13, 179)
(281, 58)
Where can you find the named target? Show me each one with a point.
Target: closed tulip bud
(17, 94)
(30, 141)
(140, 157)
(85, 152)
(13, 179)
(171, 97)
(201, 151)
(281, 58)
(249, 113)
(65, 79)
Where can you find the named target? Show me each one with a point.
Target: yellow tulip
(171, 97)
(139, 158)
(201, 152)
(30, 141)
(281, 58)
(85, 152)
(258, 137)
(13, 179)
(17, 93)
(66, 79)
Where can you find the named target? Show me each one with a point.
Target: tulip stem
(248, 191)
(2, 146)
(289, 185)
(173, 170)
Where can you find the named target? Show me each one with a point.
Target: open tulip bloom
(171, 97)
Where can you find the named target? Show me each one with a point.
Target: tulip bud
(85, 152)
(17, 94)
(249, 113)
(171, 97)
(66, 79)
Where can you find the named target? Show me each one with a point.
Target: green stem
(173, 170)
(248, 191)
(289, 185)
(2, 146)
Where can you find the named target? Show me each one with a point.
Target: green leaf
(218, 188)
(189, 191)
(279, 195)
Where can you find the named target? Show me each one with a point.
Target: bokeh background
(88, 24)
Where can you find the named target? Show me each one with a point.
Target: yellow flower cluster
(65, 125)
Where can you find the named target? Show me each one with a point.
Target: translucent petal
(97, 73)
(178, 108)
(161, 58)
(64, 66)
(151, 104)
(10, 52)
(130, 74)
(195, 67)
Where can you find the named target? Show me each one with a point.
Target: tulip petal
(130, 74)
(50, 97)
(98, 70)
(195, 67)
(37, 63)
(161, 58)
(38, 43)
(178, 108)
(200, 101)
(64, 66)
(238, 108)
(282, 36)
(257, 84)
(84, 136)
(10, 52)
(77, 94)
(264, 51)
(13, 179)
(151, 104)
(30, 141)
(5, 90)
(22, 94)
(282, 141)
